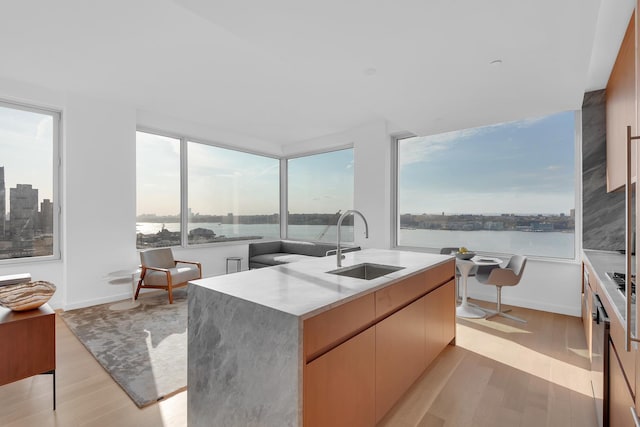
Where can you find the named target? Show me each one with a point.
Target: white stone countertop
(305, 289)
(603, 262)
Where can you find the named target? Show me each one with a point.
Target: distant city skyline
(26, 150)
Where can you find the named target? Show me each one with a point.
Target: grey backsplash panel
(602, 212)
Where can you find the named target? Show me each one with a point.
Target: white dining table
(464, 267)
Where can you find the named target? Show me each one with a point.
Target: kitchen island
(294, 345)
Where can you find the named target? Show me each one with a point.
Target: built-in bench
(267, 254)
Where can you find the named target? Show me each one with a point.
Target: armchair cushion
(162, 258)
(179, 274)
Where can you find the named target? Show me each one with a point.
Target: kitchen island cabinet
(293, 345)
(339, 386)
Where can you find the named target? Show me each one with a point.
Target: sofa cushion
(279, 258)
(261, 248)
(306, 248)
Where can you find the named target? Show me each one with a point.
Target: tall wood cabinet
(621, 109)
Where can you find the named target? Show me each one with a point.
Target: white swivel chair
(503, 276)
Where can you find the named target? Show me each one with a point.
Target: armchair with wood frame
(161, 271)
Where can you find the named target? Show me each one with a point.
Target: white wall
(99, 161)
(98, 198)
(545, 285)
(372, 175)
(98, 201)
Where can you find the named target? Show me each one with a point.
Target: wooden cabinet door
(446, 295)
(27, 343)
(339, 386)
(400, 354)
(621, 110)
(440, 320)
(620, 400)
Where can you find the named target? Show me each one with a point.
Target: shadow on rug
(144, 349)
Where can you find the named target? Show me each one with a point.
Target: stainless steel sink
(366, 271)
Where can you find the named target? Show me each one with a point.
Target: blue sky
(26, 150)
(518, 167)
(225, 181)
(321, 183)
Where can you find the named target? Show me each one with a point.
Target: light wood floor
(500, 373)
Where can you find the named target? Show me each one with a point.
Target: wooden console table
(28, 345)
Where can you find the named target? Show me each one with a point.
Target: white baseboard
(97, 301)
(534, 305)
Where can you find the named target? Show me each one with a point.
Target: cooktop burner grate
(621, 283)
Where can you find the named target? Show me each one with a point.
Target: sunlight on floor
(500, 327)
(526, 360)
(582, 352)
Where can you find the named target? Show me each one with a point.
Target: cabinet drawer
(328, 329)
(339, 386)
(400, 294)
(436, 276)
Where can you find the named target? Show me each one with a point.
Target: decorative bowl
(465, 255)
(27, 295)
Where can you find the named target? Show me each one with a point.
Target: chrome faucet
(339, 255)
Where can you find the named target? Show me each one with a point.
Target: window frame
(284, 231)
(184, 185)
(577, 182)
(56, 196)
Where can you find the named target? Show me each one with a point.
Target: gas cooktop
(620, 281)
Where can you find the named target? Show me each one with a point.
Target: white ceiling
(285, 71)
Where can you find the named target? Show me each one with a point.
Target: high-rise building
(23, 215)
(3, 202)
(46, 217)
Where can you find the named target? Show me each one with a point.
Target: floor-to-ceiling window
(320, 188)
(158, 190)
(232, 195)
(28, 181)
(506, 188)
(228, 195)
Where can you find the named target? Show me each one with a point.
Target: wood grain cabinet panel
(400, 354)
(620, 399)
(339, 386)
(330, 328)
(28, 343)
(621, 110)
(397, 295)
(446, 295)
(441, 274)
(362, 356)
(439, 320)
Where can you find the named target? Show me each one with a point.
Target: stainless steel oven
(600, 360)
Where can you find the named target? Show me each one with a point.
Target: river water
(544, 244)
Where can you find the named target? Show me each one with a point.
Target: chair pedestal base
(494, 313)
(499, 311)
